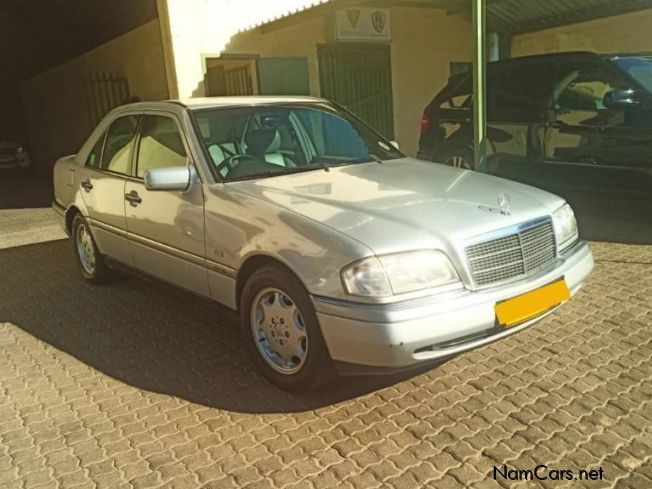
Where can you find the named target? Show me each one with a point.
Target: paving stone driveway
(137, 384)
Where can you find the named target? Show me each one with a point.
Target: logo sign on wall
(363, 24)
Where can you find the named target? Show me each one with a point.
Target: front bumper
(406, 334)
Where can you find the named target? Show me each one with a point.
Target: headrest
(263, 141)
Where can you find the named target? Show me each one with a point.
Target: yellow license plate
(531, 304)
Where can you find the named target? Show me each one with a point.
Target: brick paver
(137, 384)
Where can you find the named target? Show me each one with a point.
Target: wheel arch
(255, 262)
(72, 211)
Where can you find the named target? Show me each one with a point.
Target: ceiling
(513, 16)
(44, 33)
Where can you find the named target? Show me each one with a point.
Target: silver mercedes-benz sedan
(339, 253)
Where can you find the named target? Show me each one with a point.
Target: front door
(103, 181)
(600, 153)
(359, 77)
(166, 228)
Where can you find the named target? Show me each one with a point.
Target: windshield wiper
(287, 171)
(375, 158)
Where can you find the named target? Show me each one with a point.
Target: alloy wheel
(279, 331)
(85, 248)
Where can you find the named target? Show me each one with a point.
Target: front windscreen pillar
(479, 85)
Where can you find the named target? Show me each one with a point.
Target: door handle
(133, 198)
(86, 185)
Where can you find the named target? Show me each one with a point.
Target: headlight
(565, 227)
(399, 273)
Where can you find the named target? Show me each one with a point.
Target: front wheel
(280, 329)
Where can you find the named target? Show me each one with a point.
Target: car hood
(404, 204)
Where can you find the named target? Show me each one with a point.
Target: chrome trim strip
(107, 227)
(223, 269)
(507, 231)
(169, 250)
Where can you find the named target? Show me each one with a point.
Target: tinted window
(517, 92)
(95, 156)
(460, 92)
(639, 68)
(119, 143)
(160, 145)
(584, 88)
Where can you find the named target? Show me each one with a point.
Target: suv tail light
(426, 123)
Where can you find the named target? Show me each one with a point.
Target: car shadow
(149, 335)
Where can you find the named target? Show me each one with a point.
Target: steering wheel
(230, 161)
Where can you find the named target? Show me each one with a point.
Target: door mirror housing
(172, 178)
(621, 99)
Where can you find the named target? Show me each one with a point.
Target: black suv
(576, 123)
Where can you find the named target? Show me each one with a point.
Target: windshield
(267, 140)
(639, 68)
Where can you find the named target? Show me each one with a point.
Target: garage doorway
(359, 77)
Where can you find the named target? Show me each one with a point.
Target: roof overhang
(512, 16)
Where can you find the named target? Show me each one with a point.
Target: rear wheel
(91, 262)
(280, 329)
(459, 158)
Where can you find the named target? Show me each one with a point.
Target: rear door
(103, 182)
(166, 228)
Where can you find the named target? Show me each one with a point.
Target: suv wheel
(459, 158)
(280, 329)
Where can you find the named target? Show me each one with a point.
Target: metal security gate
(238, 81)
(106, 91)
(359, 77)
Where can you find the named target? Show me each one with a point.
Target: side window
(119, 143)
(95, 156)
(584, 89)
(518, 94)
(461, 97)
(160, 145)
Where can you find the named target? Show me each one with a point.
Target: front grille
(514, 255)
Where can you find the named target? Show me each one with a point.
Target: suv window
(95, 156)
(518, 93)
(584, 89)
(160, 145)
(460, 96)
(119, 143)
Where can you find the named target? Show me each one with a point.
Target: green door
(283, 76)
(359, 77)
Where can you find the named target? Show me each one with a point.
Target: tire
(459, 158)
(275, 334)
(91, 262)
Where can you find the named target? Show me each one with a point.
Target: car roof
(210, 102)
(560, 56)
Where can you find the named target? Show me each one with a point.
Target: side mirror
(172, 178)
(621, 99)
(395, 144)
